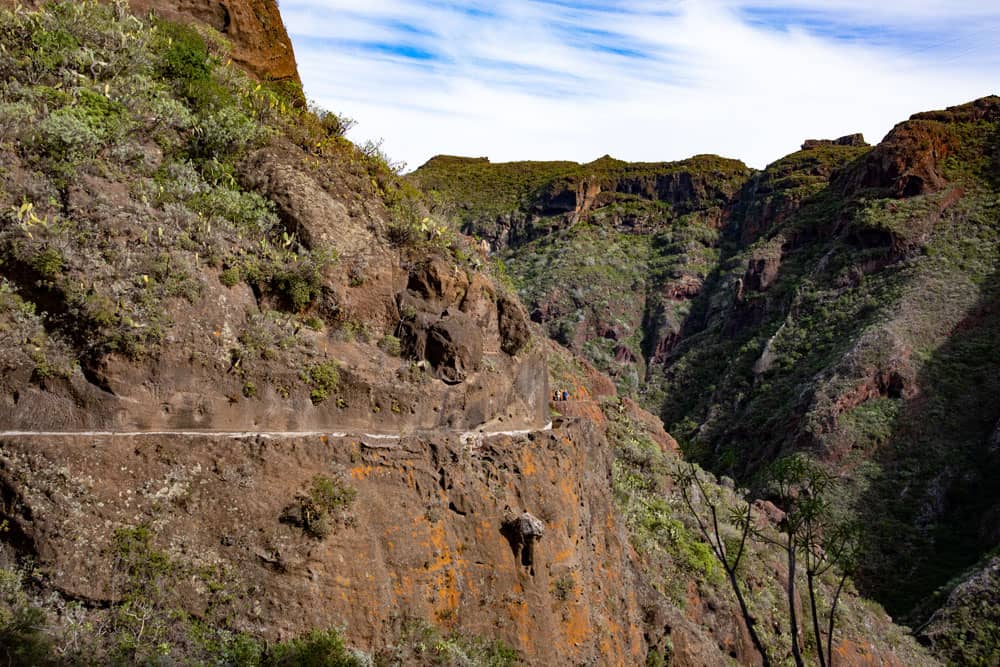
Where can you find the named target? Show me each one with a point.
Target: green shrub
(318, 648)
(391, 345)
(186, 58)
(106, 117)
(420, 643)
(323, 378)
(16, 118)
(230, 276)
(22, 637)
(48, 263)
(563, 587)
(66, 138)
(226, 132)
(313, 508)
(330, 494)
(53, 48)
(246, 210)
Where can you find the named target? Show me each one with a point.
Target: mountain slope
(260, 404)
(840, 302)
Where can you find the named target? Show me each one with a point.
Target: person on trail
(565, 395)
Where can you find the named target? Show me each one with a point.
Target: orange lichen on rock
(361, 472)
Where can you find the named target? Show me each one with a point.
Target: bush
(22, 637)
(246, 210)
(391, 345)
(186, 58)
(323, 378)
(66, 138)
(319, 648)
(48, 263)
(226, 132)
(15, 119)
(312, 509)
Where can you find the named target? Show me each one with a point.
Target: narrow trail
(464, 436)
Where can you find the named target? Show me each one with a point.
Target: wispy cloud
(640, 79)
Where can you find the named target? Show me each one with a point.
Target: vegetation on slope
(841, 302)
(135, 206)
(605, 254)
(110, 121)
(680, 564)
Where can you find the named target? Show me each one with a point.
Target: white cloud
(536, 79)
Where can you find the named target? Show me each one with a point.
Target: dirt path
(463, 435)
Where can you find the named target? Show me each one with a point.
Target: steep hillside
(841, 302)
(261, 405)
(182, 248)
(861, 327)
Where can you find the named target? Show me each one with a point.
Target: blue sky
(637, 79)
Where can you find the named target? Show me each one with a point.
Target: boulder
(513, 321)
(454, 346)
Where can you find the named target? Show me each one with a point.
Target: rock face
(849, 140)
(425, 534)
(504, 537)
(255, 27)
(909, 161)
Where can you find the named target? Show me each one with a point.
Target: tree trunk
(751, 623)
(793, 617)
(810, 577)
(833, 617)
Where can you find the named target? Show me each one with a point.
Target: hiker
(565, 395)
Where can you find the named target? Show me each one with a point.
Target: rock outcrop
(254, 27)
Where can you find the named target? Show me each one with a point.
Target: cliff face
(260, 42)
(271, 536)
(431, 534)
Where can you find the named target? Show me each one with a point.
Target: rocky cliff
(839, 302)
(254, 28)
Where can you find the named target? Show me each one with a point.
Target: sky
(641, 80)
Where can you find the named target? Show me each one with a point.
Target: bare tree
(695, 494)
(804, 489)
